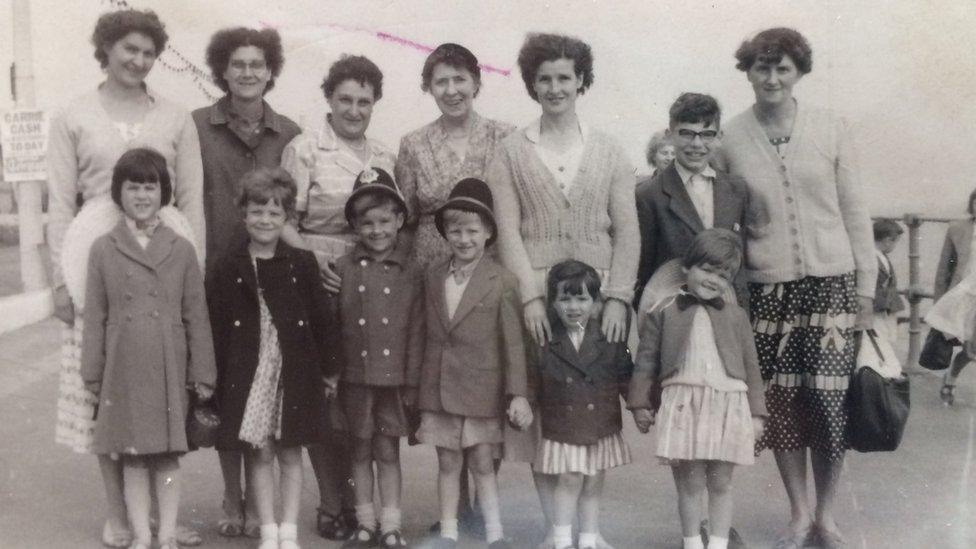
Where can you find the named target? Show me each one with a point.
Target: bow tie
(686, 300)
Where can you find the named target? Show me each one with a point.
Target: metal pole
(915, 292)
(29, 214)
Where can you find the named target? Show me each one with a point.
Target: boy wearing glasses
(677, 203)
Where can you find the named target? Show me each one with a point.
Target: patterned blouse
(427, 169)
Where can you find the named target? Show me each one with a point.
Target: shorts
(454, 432)
(372, 410)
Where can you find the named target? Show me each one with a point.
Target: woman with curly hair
(563, 190)
(811, 266)
(238, 133)
(86, 140)
(660, 152)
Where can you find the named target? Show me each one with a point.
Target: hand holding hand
(758, 426)
(536, 321)
(64, 309)
(644, 418)
(330, 279)
(204, 392)
(331, 387)
(615, 314)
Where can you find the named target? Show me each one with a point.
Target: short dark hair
(115, 25)
(539, 48)
(577, 278)
(225, 42)
(354, 67)
(367, 201)
(658, 140)
(454, 55)
(716, 247)
(771, 45)
(263, 185)
(143, 165)
(693, 108)
(885, 228)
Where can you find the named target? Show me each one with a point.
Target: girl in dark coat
(274, 347)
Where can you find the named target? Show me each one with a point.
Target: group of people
(473, 292)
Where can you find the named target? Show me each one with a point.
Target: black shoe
(392, 539)
(472, 522)
(361, 539)
(735, 540)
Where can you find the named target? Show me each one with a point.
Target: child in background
(381, 318)
(474, 360)
(274, 341)
(697, 373)
(581, 377)
(887, 302)
(144, 280)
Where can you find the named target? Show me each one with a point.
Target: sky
(903, 74)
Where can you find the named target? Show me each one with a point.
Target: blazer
(886, 298)
(476, 359)
(579, 391)
(302, 313)
(955, 256)
(669, 221)
(664, 337)
(146, 337)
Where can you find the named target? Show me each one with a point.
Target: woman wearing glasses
(238, 133)
(811, 269)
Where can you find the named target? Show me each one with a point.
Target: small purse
(937, 351)
(878, 404)
(202, 423)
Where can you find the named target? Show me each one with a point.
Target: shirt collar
(399, 255)
(221, 111)
(148, 230)
(534, 128)
(329, 141)
(685, 174)
(465, 270)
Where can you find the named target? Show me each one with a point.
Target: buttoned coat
(955, 256)
(146, 337)
(381, 315)
(579, 391)
(303, 315)
(475, 359)
(669, 221)
(664, 338)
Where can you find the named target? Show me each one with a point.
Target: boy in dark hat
(474, 370)
(382, 322)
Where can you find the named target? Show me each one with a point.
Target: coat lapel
(725, 208)
(127, 244)
(160, 245)
(589, 351)
(477, 287)
(436, 279)
(679, 201)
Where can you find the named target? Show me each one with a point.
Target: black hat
(374, 180)
(469, 195)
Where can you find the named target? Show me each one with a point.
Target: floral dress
(262, 413)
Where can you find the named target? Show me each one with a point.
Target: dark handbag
(937, 351)
(202, 423)
(878, 405)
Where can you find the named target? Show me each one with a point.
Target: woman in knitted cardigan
(563, 191)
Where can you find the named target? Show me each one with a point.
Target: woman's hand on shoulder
(536, 321)
(64, 309)
(615, 314)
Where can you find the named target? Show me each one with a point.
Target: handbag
(937, 351)
(878, 405)
(202, 423)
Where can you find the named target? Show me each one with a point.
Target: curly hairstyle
(693, 108)
(115, 25)
(225, 42)
(354, 67)
(658, 141)
(453, 55)
(539, 48)
(141, 165)
(771, 45)
(263, 185)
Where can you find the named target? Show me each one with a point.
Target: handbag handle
(873, 337)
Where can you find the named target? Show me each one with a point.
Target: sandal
(186, 536)
(331, 526)
(116, 540)
(361, 539)
(231, 526)
(392, 539)
(795, 540)
(831, 539)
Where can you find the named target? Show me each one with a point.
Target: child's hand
(644, 418)
(331, 385)
(520, 413)
(409, 397)
(204, 392)
(758, 426)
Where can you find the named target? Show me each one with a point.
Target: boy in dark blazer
(689, 196)
(474, 361)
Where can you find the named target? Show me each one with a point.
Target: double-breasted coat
(302, 313)
(474, 360)
(146, 337)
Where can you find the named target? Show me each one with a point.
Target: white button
(237, 323)
(386, 320)
(301, 322)
(294, 280)
(362, 288)
(362, 321)
(363, 263)
(363, 353)
(239, 280)
(386, 352)
(386, 290)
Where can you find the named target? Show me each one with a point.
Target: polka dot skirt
(804, 336)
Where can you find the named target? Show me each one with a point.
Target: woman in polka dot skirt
(811, 265)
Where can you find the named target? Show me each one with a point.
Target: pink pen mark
(398, 40)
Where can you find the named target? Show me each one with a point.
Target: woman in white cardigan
(811, 268)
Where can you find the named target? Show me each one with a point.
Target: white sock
(288, 530)
(715, 542)
(269, 531)
(449, 529)
(493, 531)
(366, 515)
(389, 519)
(562, 535)
(694, 542)
(587, 539)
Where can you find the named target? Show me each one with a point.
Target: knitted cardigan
(539, 226)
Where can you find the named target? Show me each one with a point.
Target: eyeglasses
(257, 67)
(689, 135)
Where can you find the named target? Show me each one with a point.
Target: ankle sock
(269, 531)
(562, 535)
(587, 539)
(366, 515)
(449, 529)
(493, 531)
(288, 530)
(694, 542)
(715, 542)
(389, 519)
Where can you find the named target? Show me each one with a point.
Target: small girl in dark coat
(275, 347)
(581, 376)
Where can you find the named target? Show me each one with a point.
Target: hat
(374, 180)
(469, 195)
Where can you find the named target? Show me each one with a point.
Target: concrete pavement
(922, 496)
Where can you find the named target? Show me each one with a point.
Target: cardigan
(226, 158)
(381, 317)
(146, 337)
(84, 146)
(664, 337)
(539, 226)
(806, 215)
(579, 391)
(954, 259)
